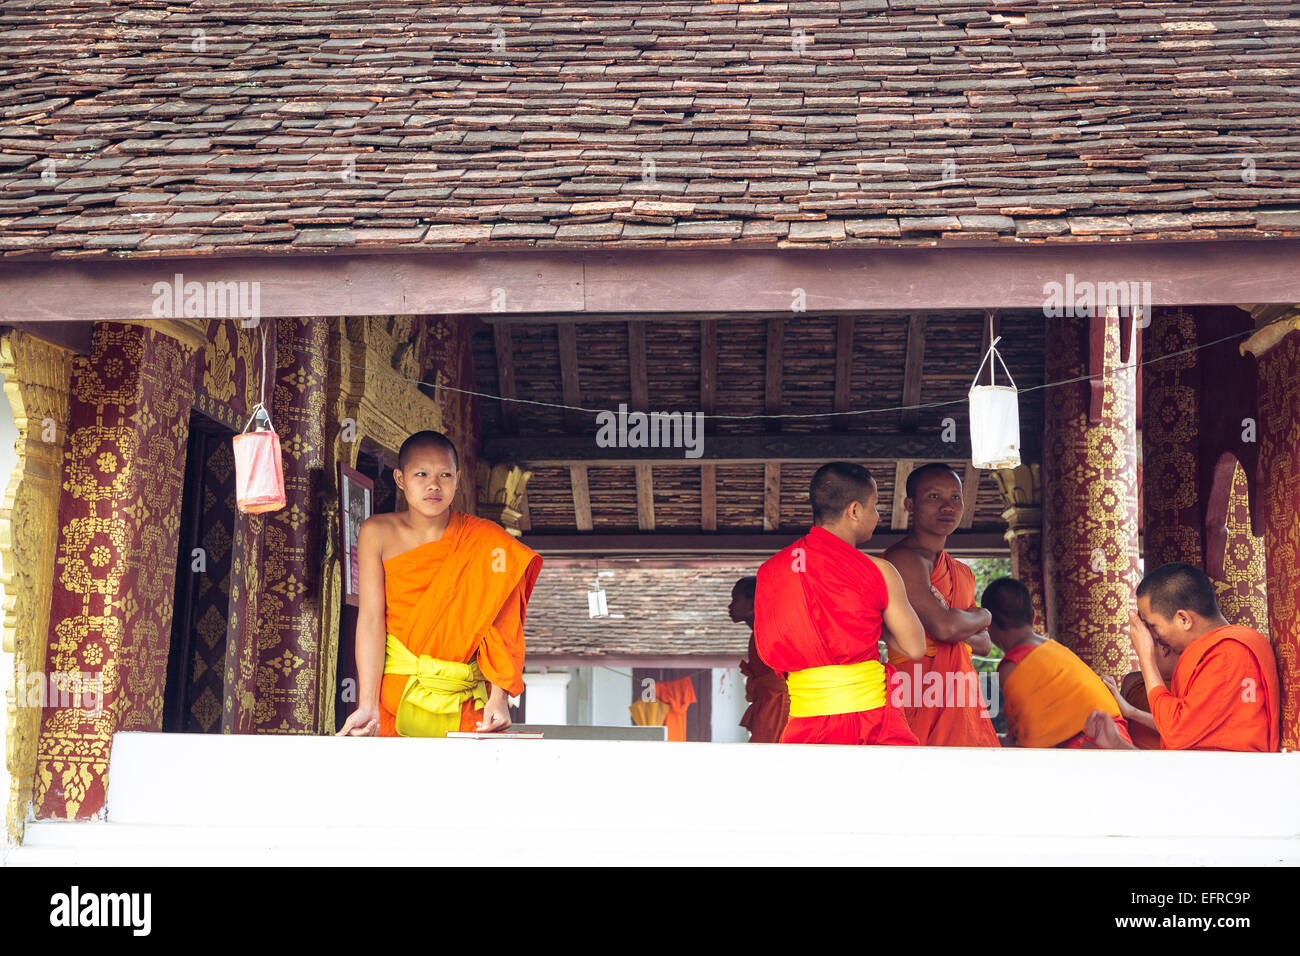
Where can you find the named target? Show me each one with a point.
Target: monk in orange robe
(940, 693)
(1224, 694)
(769, 706)
(1047, 691)
(819, 613)
(440, 642)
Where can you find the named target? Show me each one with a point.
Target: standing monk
(941, 695)
(769, 707)
(1224, 694)
(440, 638)
(818, 615)
(1048, 692)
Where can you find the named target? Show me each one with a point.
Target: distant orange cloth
(820, 602)
(962, 721)
(1049, 695)
(1224, 695)
(461, 596)
(678, 695)
(769, 709)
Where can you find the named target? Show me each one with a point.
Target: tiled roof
(653, 611)
(230, 127)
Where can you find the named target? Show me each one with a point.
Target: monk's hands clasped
(362, 722)
(1139, 636)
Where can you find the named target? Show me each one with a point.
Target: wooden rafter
(898, 518)
(645, 499)
(568, 340)
(913, 371)
(772, 496)
(970, 484)
(775, 360)
(844, 371)
(709, 498)
(708, 366)
(505, 376)
(581, 497)
(637, 365)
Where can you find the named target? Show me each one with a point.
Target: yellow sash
(837, 689)
(432, 699)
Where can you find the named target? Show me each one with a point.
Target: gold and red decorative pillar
(1277, 349)
(1090, 489)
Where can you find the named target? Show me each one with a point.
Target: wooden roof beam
(913, 372)
(581, 497)
(775, 358)
(505, 377)
(844, 371)
(569, 383)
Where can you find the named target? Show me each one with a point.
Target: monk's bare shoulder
(909, 561)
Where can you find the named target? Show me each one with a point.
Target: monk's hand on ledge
(362, 722)
(1101, 728)
(496, 715)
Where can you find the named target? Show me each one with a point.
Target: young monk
(818, 614)
(1224, 693)
(940, 692)
(769, 707)
(1047, 691)
(440, 641)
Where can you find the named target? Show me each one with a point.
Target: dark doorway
(194, 696)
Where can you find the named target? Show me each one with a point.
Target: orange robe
(959, 718)
(1049, 695)
(678, 694)
(821, 602)
(1224, 695)
(456, 598)
(769, 708)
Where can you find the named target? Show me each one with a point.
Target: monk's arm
(370, 640)
(904, 633)
(948, 625)
(371, 636)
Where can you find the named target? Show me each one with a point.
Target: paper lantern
(994, 418)
(259, 474)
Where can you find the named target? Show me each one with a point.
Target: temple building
(798, 226)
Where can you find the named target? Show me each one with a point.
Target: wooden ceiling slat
(844, 371)
(775, 359)
(708, 366)
(637, 361)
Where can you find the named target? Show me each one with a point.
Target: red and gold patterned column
(1090, 527)
(115, 565)
(1277, 348)
(1181, 444)
(289, 631)
(1024, 518)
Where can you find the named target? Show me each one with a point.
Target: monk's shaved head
(746, 587)
(427, 441)
(835, 486)
(1009, 602)
(934, 468)
(1176, 587)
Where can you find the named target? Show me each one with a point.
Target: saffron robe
(678, 694)
(963, 720)
(821, 602)
(769, 707)
(456, 599)
(1050, 694)
(1224, 695)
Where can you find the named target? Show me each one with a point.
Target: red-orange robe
(461, 596)
(821, 602)
(962, 721)
(1224, 695)
(1044, 705)
(769, 698)
(678, 694)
